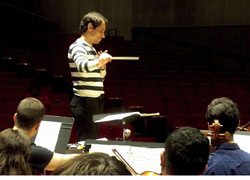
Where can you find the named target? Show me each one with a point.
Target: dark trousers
(83, 109)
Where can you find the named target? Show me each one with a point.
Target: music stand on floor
(123, 118)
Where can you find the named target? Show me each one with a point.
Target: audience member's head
(186, 152)
(14, 153)
(30, 112)
(93, 164)
(226, 111)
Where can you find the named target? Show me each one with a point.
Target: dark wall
(69, 13)
(125, 14)
(231, 40)
(191, 12)
(17, 24)
(218, 24)
(23, 4)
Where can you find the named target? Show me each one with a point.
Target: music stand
(122, 118)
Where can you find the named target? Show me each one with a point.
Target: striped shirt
(86, 76)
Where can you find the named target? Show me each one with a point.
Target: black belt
(100, 97)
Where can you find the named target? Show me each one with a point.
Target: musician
(14, 153)
(186, 152)
(88, 69)
(228, 158)
(30, 112)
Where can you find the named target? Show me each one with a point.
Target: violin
(131, 170)
(217, 138)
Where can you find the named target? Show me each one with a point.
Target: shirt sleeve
(40, 157)
(81, 59)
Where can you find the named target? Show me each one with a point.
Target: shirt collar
(83, 41)
(228, 146)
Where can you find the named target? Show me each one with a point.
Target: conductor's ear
(90, 27)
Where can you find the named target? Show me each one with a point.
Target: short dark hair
(95, 163)
(226, 111)
(30, 111)
(94, 18)
(186, 152)
(14, 153)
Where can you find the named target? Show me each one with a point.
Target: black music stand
(66, 124)
(123, 118)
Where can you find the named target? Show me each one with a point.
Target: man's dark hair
(186, 152)
(94, 18)
(226, 111)
(30, 111)
(93, 164)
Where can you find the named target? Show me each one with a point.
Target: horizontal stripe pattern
(87, 79)
(86, 76)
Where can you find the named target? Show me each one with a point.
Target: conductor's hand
(104, 58)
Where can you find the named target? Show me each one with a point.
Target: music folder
(54, 133)
(127, 116)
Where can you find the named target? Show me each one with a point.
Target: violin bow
(119, 156)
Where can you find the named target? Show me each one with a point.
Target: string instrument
(245, 127)
(131, 170)
(217, 138)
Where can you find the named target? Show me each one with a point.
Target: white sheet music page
(47, 134)
(145, 159)
(124, 115)
(117, 116)
(242, 141)
(107, 148)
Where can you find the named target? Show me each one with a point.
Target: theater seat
(60, 109)
(6, 121)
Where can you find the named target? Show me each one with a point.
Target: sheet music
(48, 134)
(116, 117)
(123, 150)
(242, 141)
(145, 159)
(140, 158)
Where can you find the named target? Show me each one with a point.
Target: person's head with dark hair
(93, 27)
(226, 111)
(14, 153)
(93, 18)
(30, 112)
(186, 152)
(96, 163)
(226, 157)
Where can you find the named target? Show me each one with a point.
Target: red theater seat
(6, 121)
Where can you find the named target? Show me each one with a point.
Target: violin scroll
(216, 137)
